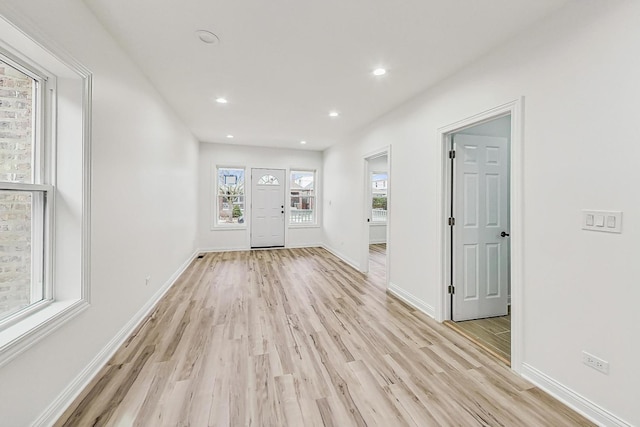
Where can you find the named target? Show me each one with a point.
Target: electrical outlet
(595, 362)
(147, 280)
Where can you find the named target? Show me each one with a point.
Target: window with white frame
(45, 150)
(379, 182)
(230, 196)
(24, 190)
(303, 198)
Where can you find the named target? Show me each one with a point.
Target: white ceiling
(284, 64)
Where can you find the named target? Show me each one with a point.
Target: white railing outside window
(301, 216)
(379, 215)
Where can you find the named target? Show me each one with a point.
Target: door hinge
(452, 222)
(452, 154)
(451, 289)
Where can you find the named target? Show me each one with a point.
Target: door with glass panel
(267, 208)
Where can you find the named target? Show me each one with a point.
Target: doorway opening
(377, 202)
(479, 233)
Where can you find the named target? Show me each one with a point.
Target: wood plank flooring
(298, 338)
(378, 263)
(494, 333)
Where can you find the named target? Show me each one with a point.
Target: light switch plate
(606, 221)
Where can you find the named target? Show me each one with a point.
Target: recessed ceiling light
(207, 37)
(230, 136)
(221, 100)
(333, 114)
(379, 72)
(303, 142)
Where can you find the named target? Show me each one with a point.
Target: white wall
(143, 207)
(378, 231)
(578, 72)
(212, 155)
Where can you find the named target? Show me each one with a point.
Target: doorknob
(503, 234)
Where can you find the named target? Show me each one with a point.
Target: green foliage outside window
(379, 203)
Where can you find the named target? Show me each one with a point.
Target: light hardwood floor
(493, 334)
(298, 338)
(378, 263)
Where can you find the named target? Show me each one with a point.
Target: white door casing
(267, 207)
(481, 212)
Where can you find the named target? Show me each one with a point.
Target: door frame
(366, 210)
(443, 312)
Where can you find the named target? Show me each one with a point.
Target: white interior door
(267, 208)
(481, 212)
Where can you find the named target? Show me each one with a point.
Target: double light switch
(608, 221)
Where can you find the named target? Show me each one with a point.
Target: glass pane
(230, 196)
(379, 183)
(301, 211)
(268, 180)
(16, 219)
(301, 180)
(16, 124)
(379, 207)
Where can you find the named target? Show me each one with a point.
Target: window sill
(229, 227)
(378, 223)
(304, 226)
(20, 336)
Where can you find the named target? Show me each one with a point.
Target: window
(230, 196)
(379, 182)
(23, 190)
(45, 151)
(303, 198)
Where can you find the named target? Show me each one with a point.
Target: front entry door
(481, 212)
(267, 208)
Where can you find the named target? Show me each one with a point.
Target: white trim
(248, 248)
(216, 250)
(316, 192)
(38, 325)
(410, 299)
(87, 181)
(229, 227)
(515, 108)
(18, 186)
(303, 246)
(574, 400)
(215, 209)
(344, 258)
(55, 410)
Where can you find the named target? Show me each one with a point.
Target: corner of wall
(84, 378)
(412, 300)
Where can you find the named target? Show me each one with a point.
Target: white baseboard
(412, 300)
(73, 390)
(248, 248)
(572, 399)
(215, 250)
(344, 258)
(310, 245)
